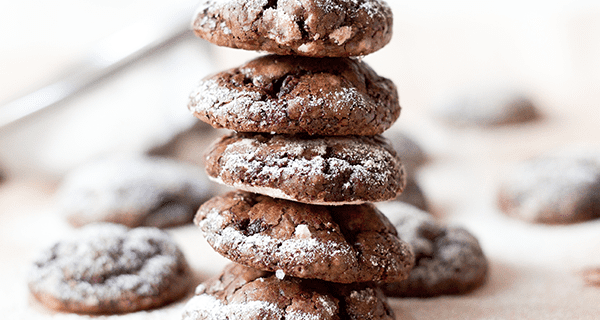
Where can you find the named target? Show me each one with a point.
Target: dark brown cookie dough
(333, 243)
(317, 28)
(134, 191)
(447, 260)
(242, 293)
(315, 170)
(290, 95)
(107, 269)
(553, 189)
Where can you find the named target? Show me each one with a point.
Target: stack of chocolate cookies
(307, 159)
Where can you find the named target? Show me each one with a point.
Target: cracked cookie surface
(342, 244)
(318, 28)
(107, 269)
(247, 294)
(133, 191)
(309, 169)
(290, 95)
(448, 260)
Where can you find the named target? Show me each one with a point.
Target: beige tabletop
(549, 49)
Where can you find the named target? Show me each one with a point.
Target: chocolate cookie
(413, 156)
(133, 191)
(447, 260)
(333, 243)
(487, 108)
(315, 170)
(553, 189)
(290, 95)
(413, 195)
(317, 28)
(107, 268)
(242, 293)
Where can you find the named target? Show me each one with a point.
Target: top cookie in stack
(314, 28)
(308, 156)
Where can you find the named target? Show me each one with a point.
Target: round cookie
(315, 170)
(447, 260)
(317, 28)
(108, 269)
(487, 107)
(291, 95)
(242, 293)
(342, 244)
(133, 191)
(553, 189)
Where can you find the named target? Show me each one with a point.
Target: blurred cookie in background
(2, 175)
(134, 191)
(487, 107)
(555, 188)
(188, 145)
(109, 269)
(413, 158)
(448, 260)
(413, 195)
(410, 152)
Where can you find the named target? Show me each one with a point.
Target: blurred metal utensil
(104, 58)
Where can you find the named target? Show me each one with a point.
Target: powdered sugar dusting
(551, 186)
(259, 247)
(219, 102)
(106, 262)
(207, 307)
(249, 163)
(130, 186)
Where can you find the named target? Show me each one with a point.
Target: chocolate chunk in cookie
(333, 243)
(290, 95)
(134, 191)
(553, 189)
(107, 269)
(447, 260)
(242, 293)
(315, 170)
(317, 28)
